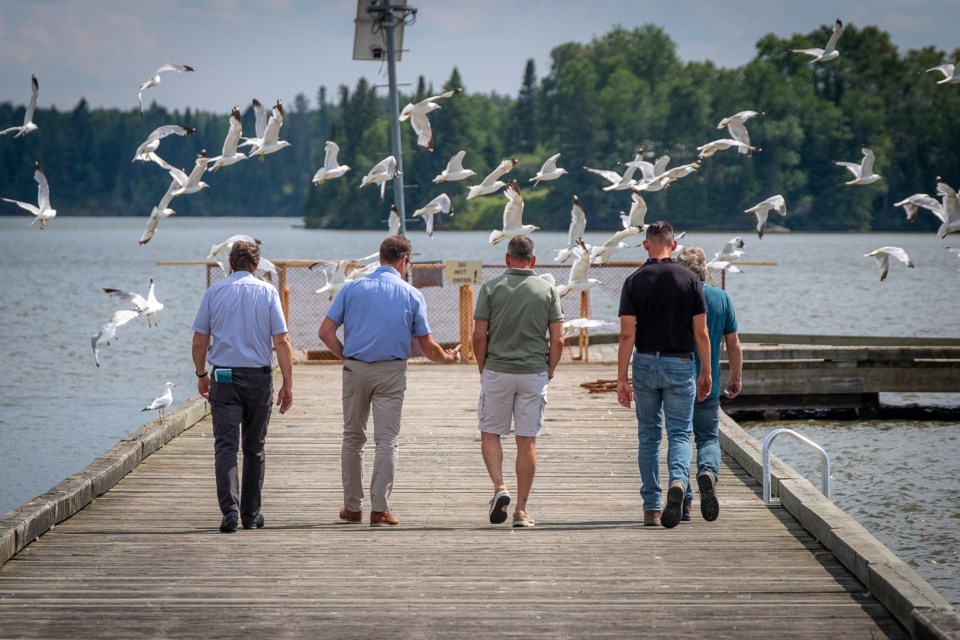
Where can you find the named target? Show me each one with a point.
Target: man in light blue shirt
(243, 315)
(380, 314)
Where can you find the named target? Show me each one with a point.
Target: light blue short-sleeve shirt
(721, 321)
(241, 314)
(380, 315)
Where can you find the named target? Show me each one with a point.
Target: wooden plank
(146, 560)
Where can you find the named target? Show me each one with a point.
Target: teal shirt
(519, 305)
(721, 321)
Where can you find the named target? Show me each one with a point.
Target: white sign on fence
(462, 271)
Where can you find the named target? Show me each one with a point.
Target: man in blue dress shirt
(381, 315)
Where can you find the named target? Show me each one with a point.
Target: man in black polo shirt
(662, 319)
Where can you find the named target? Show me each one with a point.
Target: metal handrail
(768, 442)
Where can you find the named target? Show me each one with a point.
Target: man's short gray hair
(520, 248)
(694, 259)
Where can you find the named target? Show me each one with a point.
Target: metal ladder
(768, 442)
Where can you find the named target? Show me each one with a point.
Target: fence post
(284, 293)
(466, 323)
(584, 332)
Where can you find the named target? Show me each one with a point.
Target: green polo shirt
(519, 305)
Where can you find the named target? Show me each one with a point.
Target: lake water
(59, 411)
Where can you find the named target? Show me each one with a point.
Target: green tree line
(596, 105)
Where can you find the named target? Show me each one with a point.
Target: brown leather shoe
(353, 517)
(383, 519)
(651, 518)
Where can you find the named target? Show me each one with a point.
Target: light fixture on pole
(379, 36)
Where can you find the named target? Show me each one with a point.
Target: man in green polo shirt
(518, 340)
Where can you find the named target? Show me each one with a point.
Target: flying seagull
(152, 143)
(161, 403)
(912, 204)
(951, 73)
(393, 221)
(440, 204)
(260, 117)
(108, 331)
(738, 131)
(492, 183)
(381, 172)
(148, 306)
(578, 224)
(762, 210)
(948, 210)
(577, 279)
(220, 252)
(183, 183)
(155, 80)
(549, 171)
(270, 141)
(455, 170)
(331, 166)
(42, 211)
(228, 154)
(335, 276)
(159, 212)
(862, 173)
(617, 181)
(27, 126)
(883, 255)
(723, 144)
(417, 113)
(829, 52)
(512, 217)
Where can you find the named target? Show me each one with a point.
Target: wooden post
(284, 293)
(584, 332)
(466, 324)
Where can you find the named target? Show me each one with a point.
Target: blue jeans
(663, 388)
(706, 433)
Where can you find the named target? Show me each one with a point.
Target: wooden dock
(145, 559)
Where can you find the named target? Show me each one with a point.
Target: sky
(103, 50)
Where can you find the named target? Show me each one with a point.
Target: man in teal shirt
(721, 325)
(515, 314)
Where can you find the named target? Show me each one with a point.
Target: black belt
(247, 369)
(681, 355)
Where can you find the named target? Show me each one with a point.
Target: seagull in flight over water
(862, 173)
(883, 255)
(381, 172)
(549, 171)
(763, 209)
(417, 114)
(155, 79)
(148, 306)
(228, 154)
(331, 166)
(492, 183)
(512, 217)
(829, 52)
(42, 211)
(145, 151)
(454, 170)
(578, 224)
(440, 204)
(27, 126)
(108, 331)
(951, 73)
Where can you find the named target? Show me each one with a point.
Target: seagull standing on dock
(28, 126)
(549, 171)
(108, 331)
(512, 216)
(148, 306)
(454, 170)
(492, 183)
(762, 210)
(417, 114)
(155, 80)
(883, 255)
(42, 211)
(440, 204)
(829, 52)
(145, 152)
(862, 173)
(331, 166)
(381, 172)
(161, 403)
(229, 155)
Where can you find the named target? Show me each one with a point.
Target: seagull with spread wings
(155, 79)
(108, 331)
(229, 155)
(270, 142)
(42, 211)
(763, 209)
(148, 306)
(28, 126)
(738, 130)
(417, 114)
(578, 224)
(492, 183)
(159, 212)
(381, 172)
(220, 252)
(951, 73)
(440, 204)
(454, 170)
(152, 143)
(862, 173)
(829, 52)
(549, 171)
(577, 280)
(512, 217)
(883, 255)
(331, 166)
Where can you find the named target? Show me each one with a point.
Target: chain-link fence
(449, 306)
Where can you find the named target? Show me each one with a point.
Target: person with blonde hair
(722, 329)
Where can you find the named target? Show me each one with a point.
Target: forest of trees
(596, 105)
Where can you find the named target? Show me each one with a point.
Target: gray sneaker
(709, 505)
(498, 506)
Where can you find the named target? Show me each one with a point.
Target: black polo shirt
(664, 296)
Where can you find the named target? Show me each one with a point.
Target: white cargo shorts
(517, 397)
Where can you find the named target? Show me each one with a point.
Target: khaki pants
(378, 386)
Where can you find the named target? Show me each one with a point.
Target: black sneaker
(230, 521)
(709, 505)
(255, 523)
(671, 515)
(685, 513)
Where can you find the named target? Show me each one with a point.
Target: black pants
(241, 407)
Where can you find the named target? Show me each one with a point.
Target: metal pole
(388, 22)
